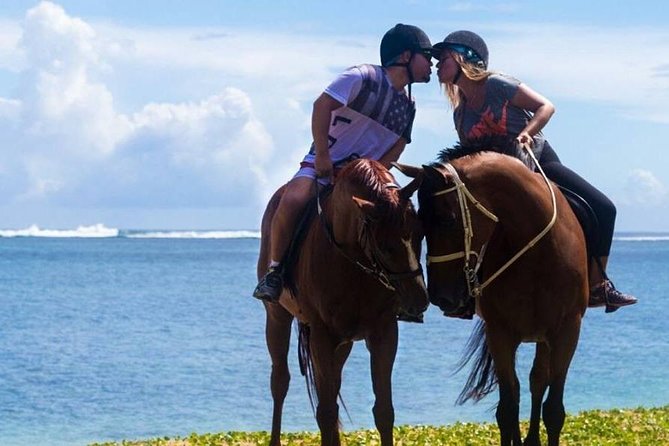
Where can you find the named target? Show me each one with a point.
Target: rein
(464, 196)
(376, 268)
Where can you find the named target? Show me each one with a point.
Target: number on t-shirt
(340, 118)
(336, 120)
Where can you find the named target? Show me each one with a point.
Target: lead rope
(538, 236)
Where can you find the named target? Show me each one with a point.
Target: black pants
(603, 207)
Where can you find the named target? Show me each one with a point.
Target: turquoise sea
(109, 335)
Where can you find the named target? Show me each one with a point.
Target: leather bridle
(371, 263)
(465, 198)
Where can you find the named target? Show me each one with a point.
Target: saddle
(586, 217)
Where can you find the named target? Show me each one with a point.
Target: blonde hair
(471, 71)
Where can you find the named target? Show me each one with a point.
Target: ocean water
(109, 335)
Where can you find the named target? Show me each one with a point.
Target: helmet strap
(409, 73)
(406, 65)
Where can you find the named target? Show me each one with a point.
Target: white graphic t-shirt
(374, 117)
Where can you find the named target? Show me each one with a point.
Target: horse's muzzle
(413, 299)
(448, 299)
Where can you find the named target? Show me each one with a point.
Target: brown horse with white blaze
(357, 266)
(504, 235)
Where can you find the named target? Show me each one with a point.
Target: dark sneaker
(597, 296)
(270, 287)
(606, 294)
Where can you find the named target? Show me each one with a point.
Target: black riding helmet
(470, 45)
(401, 38)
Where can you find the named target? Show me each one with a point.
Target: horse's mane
(499, 144)
(372, 178)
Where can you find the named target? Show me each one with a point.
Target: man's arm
(393, 154)
(320, 127)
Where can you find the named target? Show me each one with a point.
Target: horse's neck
(517, 196)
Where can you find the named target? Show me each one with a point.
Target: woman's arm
(541, 108)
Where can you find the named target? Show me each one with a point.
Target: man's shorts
(310, 172)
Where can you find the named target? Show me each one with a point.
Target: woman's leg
(605, 211)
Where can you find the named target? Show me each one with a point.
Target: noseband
(464, 197)
(374, 267)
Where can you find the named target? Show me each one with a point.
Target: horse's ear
(407, 191)
(365, 206)
(410, 171)
(434, 175)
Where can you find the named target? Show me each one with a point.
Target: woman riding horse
(487, 104)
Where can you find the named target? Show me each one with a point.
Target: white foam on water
(94, 231)
(195, 234)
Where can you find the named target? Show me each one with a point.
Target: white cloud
(9, 109)
(10, 32)
(63, 105)
(109, 115)
(643, 188)
(71, 145)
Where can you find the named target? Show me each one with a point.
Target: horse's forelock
(373, 179)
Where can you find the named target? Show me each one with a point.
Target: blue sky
(187, 115)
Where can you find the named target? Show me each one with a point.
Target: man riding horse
(364, 113)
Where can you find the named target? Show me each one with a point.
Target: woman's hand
(524, 139)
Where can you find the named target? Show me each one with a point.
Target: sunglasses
(427, 54)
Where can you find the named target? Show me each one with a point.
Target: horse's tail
(307, 369)
(306, 364)
(482, 379)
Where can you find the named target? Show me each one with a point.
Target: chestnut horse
(357, 266)
(506, 236)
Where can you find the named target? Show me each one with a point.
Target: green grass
(629, 427)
